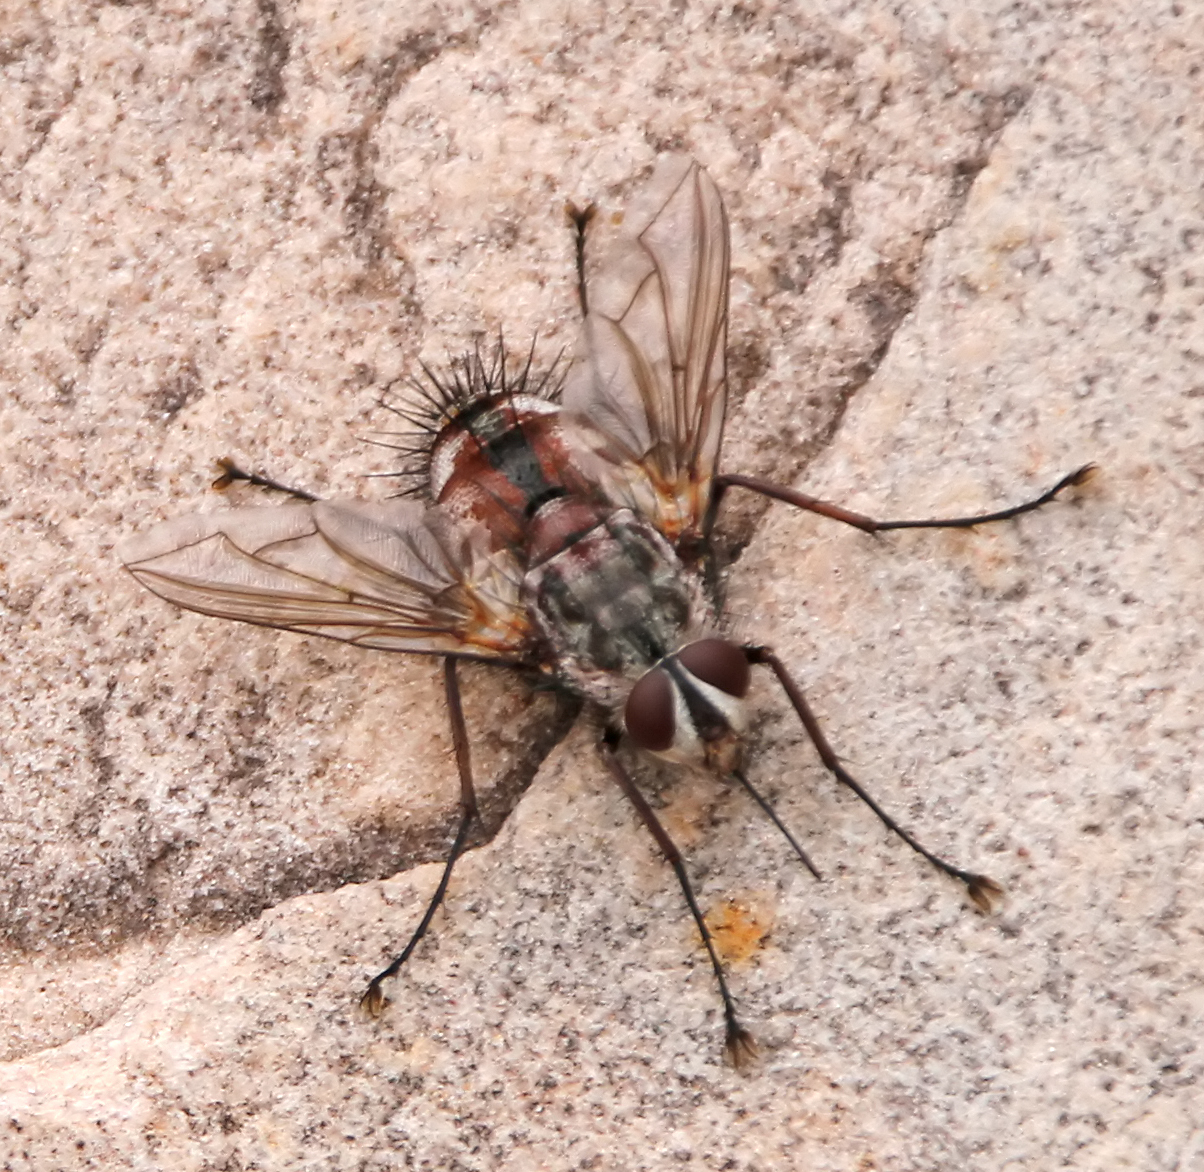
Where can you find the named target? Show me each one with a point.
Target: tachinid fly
(564, 531)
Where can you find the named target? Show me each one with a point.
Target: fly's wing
(650, 383)
(394, 575)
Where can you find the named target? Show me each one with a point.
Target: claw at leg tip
(984, 892)
(740, 1046)
(373, 1000)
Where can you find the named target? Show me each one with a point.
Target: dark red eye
(718, 663)
(649, 711)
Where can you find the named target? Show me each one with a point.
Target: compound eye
(718, 663)
(649, 711)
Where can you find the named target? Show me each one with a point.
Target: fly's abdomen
(499, 461)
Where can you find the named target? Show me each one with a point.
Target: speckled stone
(967, 256)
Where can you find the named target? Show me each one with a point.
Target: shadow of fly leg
(373, 999)
(231, 472)
(868, 524)
(739, 1042)
(981, 889)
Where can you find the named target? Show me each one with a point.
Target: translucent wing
(394, 575)
(651, 380)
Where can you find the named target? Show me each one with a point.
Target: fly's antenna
(772, 814)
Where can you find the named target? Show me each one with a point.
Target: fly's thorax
(689, 707)
(498, 459)
(613, 602)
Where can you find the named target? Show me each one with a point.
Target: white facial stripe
(731, 706)
(687, 745)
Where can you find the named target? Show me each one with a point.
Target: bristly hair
(443, 395)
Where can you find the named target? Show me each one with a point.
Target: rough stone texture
(968, 254)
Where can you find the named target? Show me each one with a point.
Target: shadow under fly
(558, 523)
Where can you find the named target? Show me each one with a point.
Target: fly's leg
(739, 1043)
(981, 889)
(580, 218)
(868, 524)
(231, 472)
(373, 999)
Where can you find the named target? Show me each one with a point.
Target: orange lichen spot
(738, 927)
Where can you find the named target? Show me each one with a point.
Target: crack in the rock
(886, 299)
(120, 901)
(272, 48)
(42, 127)
(365, 210)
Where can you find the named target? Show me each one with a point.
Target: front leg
(982, 890)
(739, 1043)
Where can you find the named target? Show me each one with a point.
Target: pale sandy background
(968, 255)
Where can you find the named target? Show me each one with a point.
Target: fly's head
(689, 707)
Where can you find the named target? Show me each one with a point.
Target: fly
(558, 525)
